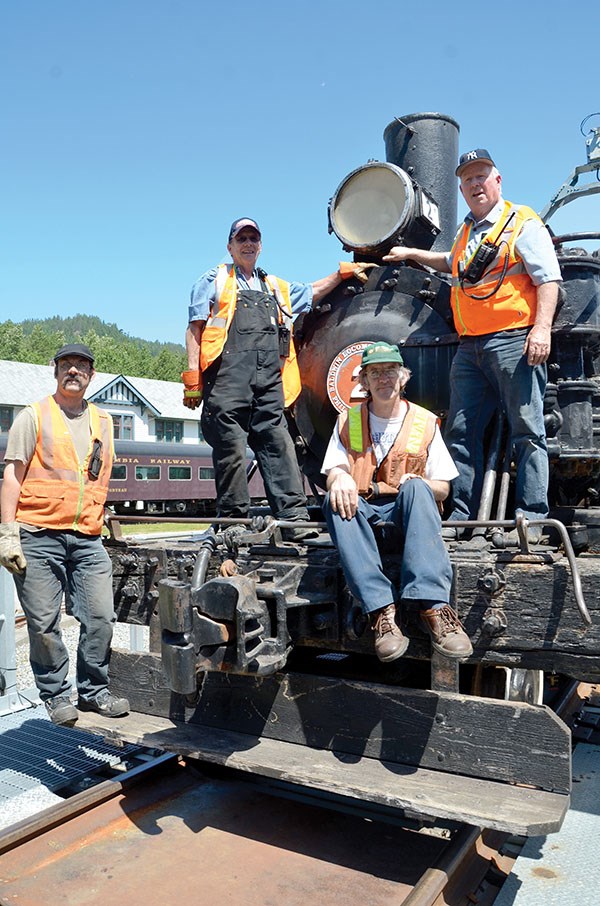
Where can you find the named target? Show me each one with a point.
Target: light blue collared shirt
(202, 296)
(533, 245)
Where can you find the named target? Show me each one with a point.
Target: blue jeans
(425, 574)
(490, 372)
(58, 563)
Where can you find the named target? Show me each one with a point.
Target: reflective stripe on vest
(514, 304)
(355, 429)
(214, 334)
(57, 492)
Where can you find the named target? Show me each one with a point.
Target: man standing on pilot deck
(58, 462)
(242, 364)
(505, 278)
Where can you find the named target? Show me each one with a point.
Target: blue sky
(135, 131)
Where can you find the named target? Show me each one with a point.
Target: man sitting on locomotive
(242, 364)
(387, 463)
(505, 277)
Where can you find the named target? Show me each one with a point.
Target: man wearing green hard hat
(386, 463)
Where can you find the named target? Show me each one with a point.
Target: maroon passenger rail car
(163, 478)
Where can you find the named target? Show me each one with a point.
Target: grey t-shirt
(22, 436)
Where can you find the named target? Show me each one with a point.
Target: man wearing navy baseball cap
(505, 279)
(387, 465)
(242, 366)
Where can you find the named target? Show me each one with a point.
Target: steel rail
(32, 827)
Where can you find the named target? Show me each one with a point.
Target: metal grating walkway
(37, 757)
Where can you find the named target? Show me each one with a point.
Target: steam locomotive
(260, 659)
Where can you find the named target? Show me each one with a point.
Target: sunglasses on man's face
(248, 237)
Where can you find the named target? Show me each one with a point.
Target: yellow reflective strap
(417, 431)
(355, 433)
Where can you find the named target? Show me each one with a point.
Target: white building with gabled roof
(142, 408)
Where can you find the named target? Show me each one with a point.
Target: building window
(180, 473)
(205, 473)
(123, 427)
(119, 472)
(169, 430)
(7, 414)
(147, 473)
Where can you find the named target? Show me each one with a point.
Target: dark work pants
(243, 406)
(58, 562)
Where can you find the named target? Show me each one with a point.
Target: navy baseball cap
(479, 154)
(237, 225)
(84, 352)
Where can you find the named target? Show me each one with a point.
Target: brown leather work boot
(446, 631)
(390, 642)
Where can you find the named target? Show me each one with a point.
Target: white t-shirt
(439, 466)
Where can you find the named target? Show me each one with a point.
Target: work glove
(192, 388)
(11, 552)
(356, 269)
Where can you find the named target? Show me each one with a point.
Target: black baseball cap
(84, 352)
(471, 156)
(241, 222)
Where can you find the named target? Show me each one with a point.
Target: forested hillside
(116, 352)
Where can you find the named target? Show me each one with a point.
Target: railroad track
(168, 828)
(176, 830)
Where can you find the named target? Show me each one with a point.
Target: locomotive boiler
(260, 659)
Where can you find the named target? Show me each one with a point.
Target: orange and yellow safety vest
(217, 326)
(407, 454)
(514, 304)
(57, 492)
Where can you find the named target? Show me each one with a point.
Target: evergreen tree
(37, 341)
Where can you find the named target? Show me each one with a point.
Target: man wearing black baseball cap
(505, 277)
(242, 366)
(58, 459)
(387, 465)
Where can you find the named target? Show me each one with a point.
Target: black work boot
(61, 710)
(390, 642)
(446, 631)
(298, 535)
(105, 703)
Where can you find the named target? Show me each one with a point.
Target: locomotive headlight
(378, 205)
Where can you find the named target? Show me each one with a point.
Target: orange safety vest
(515, 302)
(407, 454)
(57, 492)
(214, 334)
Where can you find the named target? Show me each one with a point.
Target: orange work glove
(356, 269)
(192, 388)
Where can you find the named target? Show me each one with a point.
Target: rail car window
(123, 427)
(205, 473)
(147, 473)
(168, 430)
(1, 470)
(119, 472)
(180, 473)
(7, 414)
